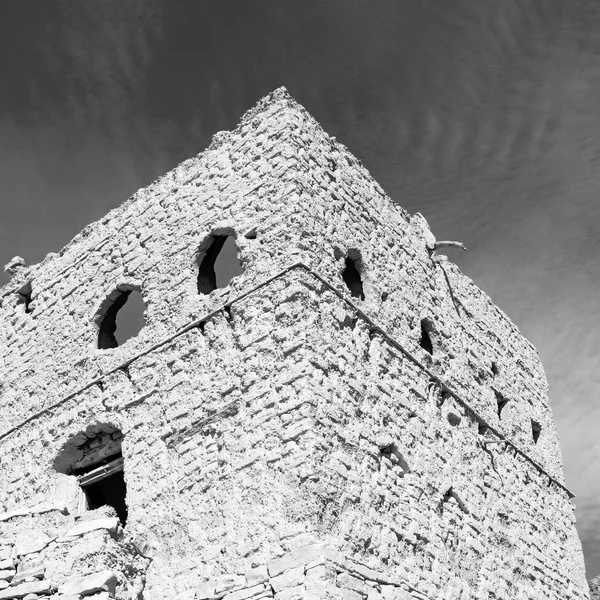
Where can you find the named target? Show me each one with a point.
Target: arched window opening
(425, 341)
(501, 401)
(24, 297)
(95, 458)
(218, 264)
(536, 429)
(122, 320)
(352, 279)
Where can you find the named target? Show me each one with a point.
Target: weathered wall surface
(288, 446)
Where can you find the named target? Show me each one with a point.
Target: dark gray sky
(484, 115)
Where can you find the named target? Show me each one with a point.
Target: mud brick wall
(279, 418)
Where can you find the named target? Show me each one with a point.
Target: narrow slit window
(501, 401)
(24, 296)
(122, 320)
(219, 264)
(425, 341)
(352, 279)
(536, 430)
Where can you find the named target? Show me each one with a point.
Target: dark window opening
(104, 485)
(123, 319)
(453, 419)
(502, 402)
(24, 295)
(218, 264)
(351, 276)
(536, 429)
(425, 341)
(94, 457)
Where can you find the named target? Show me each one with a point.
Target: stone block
(7, 574)
(344, 580)
(255, 591)
(346, 594)
(293, 593)
(226, 583)
(31, 567)
(299, 556)
(22, 590)
(205, 590)
(109, 523)
(288, 579)
(258, 575)
(31, 541)
(84, 586)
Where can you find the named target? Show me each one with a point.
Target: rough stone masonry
(350, 418)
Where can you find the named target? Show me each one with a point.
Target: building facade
(350, 417)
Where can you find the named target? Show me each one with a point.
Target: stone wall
(280, 420)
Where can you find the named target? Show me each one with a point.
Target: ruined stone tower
(350, 418)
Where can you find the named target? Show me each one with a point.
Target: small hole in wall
(122, 319)
(425, 341)
(453, 419)
(482, 429)
(384, 296)
(250, 235)
(451, 497)
(352, 279)
(24, 297)
(501, 401)
(218, 264)
(393, 454)
(536, 429)
(495, 369)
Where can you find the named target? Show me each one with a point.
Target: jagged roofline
(278, 96)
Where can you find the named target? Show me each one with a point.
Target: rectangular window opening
(104, 485)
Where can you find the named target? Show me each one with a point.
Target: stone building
(348, 418)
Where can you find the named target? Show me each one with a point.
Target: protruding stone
(31, 567)
(109, 523)
(22, 590)
(14, 264)
(103, 581)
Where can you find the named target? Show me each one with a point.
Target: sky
(482, 115)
